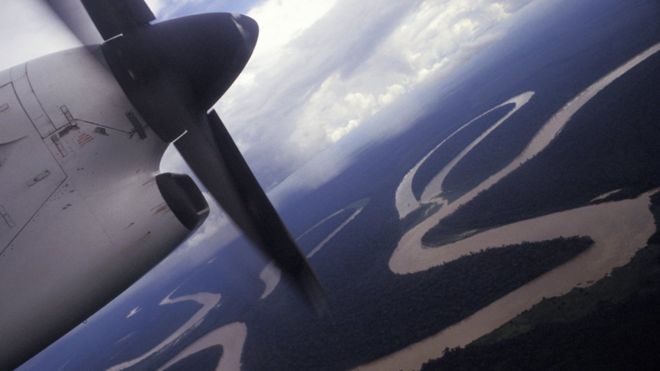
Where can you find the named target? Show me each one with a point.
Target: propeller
(173, 72)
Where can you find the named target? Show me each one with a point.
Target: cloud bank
(322, 69)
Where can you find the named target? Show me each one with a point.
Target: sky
(326, 78)
(321, 68)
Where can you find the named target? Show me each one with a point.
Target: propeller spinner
(173, 72)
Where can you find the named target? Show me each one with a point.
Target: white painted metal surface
(81, 216)
(29, 173)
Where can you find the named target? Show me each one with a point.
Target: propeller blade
(94, 21)
(214, 157)
(75, 16)
(116, 17)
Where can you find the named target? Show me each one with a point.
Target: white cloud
(321, 71)
(283, 21)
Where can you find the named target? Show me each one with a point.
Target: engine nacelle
(83, 214)
(184, 199)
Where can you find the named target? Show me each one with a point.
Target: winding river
(207, 300)
(618, 229)
(232, 336)
(271, 275)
